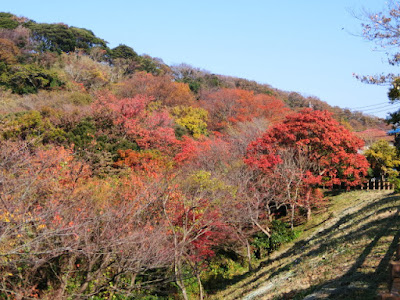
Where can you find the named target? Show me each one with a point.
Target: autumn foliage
(161, 88)
(133, 116)
(332, 148)
(230, 106)
(122, 177)
(315, 151)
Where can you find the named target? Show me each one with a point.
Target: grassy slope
(343, 254)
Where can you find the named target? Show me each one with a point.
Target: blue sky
(308, 46)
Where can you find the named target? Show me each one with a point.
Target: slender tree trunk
(177, 259)
(249, 255)
(309, 213)
(308, 195)
(133, 279)
(94, 274)
(270, 217)
(66, 277)
(292, 216)
(178, 276)
(265, 230)
(201, 291)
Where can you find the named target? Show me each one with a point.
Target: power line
(390, 106)
(383, 110)
(377, 104)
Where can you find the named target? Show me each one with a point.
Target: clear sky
(308, 46)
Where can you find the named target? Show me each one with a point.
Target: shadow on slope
(353, 284)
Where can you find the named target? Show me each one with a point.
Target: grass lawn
(343, 253)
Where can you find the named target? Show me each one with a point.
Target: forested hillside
(124, 178)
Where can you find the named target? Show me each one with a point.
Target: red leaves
(230, 106)
(150, 129)
(148, 163)
(325, 142)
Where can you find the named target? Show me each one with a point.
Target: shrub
(26, 79)
(281, 234)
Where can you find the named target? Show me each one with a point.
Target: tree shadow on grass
(348, 283)
(353, 284)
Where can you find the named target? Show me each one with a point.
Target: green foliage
(396, 182)
(180, 131)
(394, 91)
(8, 21)
(281, 233)
(30, 125)
(115, 143)
(82, 135)
(26, 79)
(149, 65)
(123, 51)
(213, 81)
(208, 81)
(85, 39)
(78, 98)
(222, 269)
(194, 84)
(100, 149)
(62, 38)
(194, 119)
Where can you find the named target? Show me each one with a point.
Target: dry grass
(342, 254)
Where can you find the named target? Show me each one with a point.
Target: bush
(281, 234)
(396, 183)
(30, 125)
(8, 21)
(78, 98)
(27, 79)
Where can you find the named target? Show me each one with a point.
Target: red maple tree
(330, 148)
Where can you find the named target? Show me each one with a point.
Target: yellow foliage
(383, 158)
(194, 119)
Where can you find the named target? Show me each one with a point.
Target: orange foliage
(161, 88)
(8, 51)
(230, 106)
(205, 154)
(146, 163)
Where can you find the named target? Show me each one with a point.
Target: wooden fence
(372, 184)
(377, 184)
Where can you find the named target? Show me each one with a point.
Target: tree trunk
(178, 277)
(249, 255)
(292, 216)
(201, 291)
(65, 278)
(308, 195)
(309, 214)
(265, 230)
